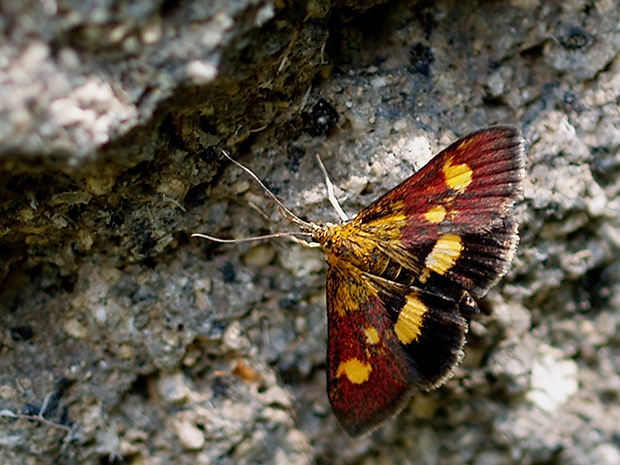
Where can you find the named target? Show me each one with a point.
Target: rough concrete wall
(131, 342)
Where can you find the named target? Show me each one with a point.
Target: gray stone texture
(126, 340)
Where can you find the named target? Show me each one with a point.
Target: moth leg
(310, 245)
(330, 192)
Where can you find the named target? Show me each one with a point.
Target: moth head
(328, 236)
(344, 242)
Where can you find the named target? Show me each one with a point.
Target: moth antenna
(330, 192)
(285, 212)
(252, 239)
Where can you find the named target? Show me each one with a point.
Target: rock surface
(127, 341)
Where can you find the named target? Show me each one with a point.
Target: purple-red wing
(481, 214)
(360, 407)
(357, 304)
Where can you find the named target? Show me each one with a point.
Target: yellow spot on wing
(458, 177)
(349, 288)
(355, 370)
(464, 145)
(344, 299)
(409, 324)
(372, 336)
(445, 253)
(436, 214)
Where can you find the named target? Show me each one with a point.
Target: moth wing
(457, 211)
(384, 341)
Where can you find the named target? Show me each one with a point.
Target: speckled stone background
(123, 340)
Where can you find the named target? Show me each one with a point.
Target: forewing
(384, 341)
(456, 213)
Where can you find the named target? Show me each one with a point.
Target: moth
(403, 274)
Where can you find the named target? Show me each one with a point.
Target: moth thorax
(346, 242)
